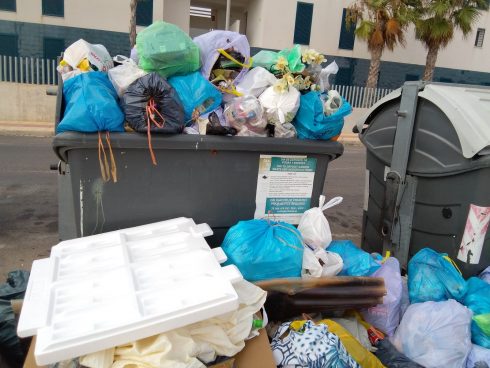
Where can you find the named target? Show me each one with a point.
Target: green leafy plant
(438, 21)
(382, 24)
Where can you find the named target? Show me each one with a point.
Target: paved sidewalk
(27, 128)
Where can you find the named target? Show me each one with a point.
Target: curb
(32, 129)
(350, 139)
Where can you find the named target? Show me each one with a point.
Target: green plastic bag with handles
(267, 59)
(166, 49)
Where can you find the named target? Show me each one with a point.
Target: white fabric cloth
(185, 347)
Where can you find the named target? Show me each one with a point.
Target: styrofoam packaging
(109, 289)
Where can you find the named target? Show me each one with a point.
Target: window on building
(54, 8)
(144, 13)
(480, 35)
(445, 80)
(53, 47)
(347, 35)
(412, 77)
(302, 27)
(8, 5)
(9, 45)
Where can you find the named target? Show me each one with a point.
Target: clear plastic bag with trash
(246, 115)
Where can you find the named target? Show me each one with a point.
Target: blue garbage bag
(91, 105)
(356, 261)
(263, 249)
(312, 123)
(477, 298)
(432, 277)
(196, 92)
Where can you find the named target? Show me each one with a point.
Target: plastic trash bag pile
(432, 318)
(211, 84)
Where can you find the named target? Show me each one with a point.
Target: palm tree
(381, 23)
(440, 19)
(132, 23)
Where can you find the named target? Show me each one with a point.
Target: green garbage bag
(268, 59)
(166, 49)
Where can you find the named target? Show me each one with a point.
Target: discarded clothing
(310, 346)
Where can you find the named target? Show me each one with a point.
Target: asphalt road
(28, 199)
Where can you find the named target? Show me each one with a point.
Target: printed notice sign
(284, 187)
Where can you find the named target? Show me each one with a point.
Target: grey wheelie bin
(212, 179)
(428, 173)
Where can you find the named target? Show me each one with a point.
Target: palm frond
(465, 18)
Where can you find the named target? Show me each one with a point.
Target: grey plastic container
(446, 172)
(211, 179)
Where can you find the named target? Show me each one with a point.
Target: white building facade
(43, 28)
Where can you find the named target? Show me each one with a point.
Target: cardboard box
(256, 354)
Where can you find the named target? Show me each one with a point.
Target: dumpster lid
(466, 107)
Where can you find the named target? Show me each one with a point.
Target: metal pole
(227, 22)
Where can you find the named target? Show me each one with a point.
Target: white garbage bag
(314, 226)
(255, 82)
(320, 263)
(435, 334)
(82, 56)
(280, 110)
(123, 75)
(479, 357)
(210, 43)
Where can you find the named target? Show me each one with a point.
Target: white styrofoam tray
(100, 291)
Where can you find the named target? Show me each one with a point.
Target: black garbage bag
(390, 357)
(15, 286)
(152, 101)
(11, 348)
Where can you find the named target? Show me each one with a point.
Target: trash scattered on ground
(290, 297)
(156, 295)
(386, 316)
(435, 334)
(11, 348)
(356, 261)
(433, 277)
(264, 249)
